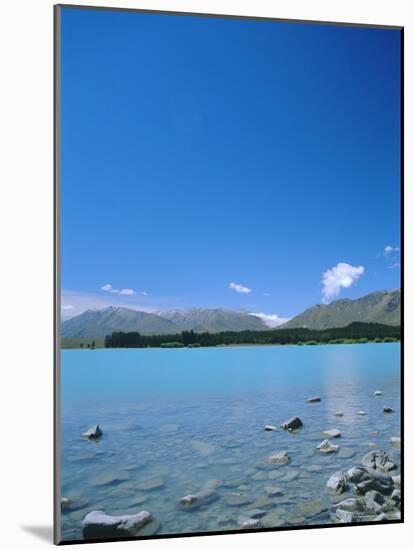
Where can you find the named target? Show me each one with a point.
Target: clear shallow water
(184, 417)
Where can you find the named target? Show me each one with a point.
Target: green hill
(378, 307)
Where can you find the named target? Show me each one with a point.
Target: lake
(176, 421)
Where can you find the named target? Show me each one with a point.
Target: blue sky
(227, 163)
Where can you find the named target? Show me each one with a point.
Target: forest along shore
(354, 333)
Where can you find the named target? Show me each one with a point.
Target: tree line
(354, 332)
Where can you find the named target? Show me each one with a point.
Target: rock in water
(279, 458)
(374, 502)
(270, 428)
(191, 502)
(98, 525)
(362, 413)
(313, 400)
(327, 447)
(396, 441)
(349, 504)
(65, 503)
(292, 424)
(339, 413)
(368, 480)
(273, 491)
(344, 516)
(377, 393)
(396, 497)
(236, 499)
(332, 433)
(248, 523)
(337, 482)
(94, 432)
(388, 410)
(377, 460)
(397, 481)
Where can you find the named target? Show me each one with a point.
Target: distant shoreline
(221, 346)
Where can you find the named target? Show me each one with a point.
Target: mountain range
(98, 323)
(378, 307)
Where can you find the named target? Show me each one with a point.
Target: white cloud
(266, 294)
(397, 265)
(123, 291)
(390, 249)
(271, 320)
(240, 288)
(107, 287)
(67, 307)
(143, 293)
(343, 275)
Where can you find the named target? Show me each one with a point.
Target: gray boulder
(292, 424)
(94, 432)
(98, 525)
(339, 413)
(313, 400)
(378, 460)
(396, 497)
(388, 410)
(337, 482)
(374, 502)
(377, 393)
(270, 428)
(344, 516)
(397, 481)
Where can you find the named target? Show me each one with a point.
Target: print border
(57, 9)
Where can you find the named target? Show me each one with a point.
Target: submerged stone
(279, 458)
(201, 498)
(237, 499)
(331, 434)
(152, 484)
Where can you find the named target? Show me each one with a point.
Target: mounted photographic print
(229, 252)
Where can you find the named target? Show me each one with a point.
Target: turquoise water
(185, 417)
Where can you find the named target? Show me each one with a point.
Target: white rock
(362, 413)
(327, 447)
(98, 525)
(349, 504)
(337, 482)
(377, 393)
(248, 523)
(270, 428)
(339, 413)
